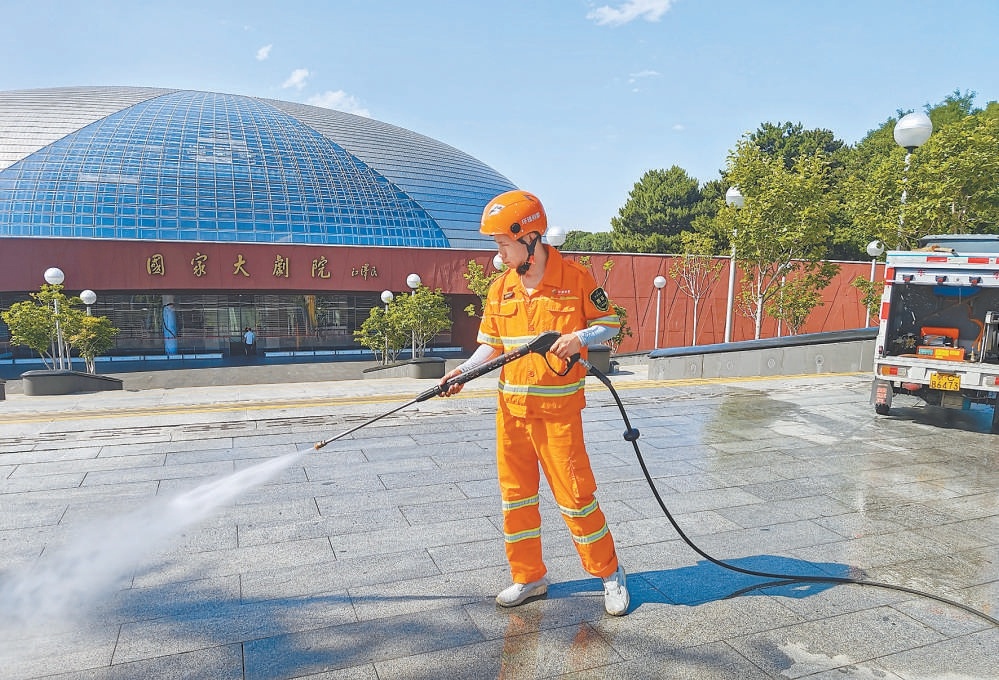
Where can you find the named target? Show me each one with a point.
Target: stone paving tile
(796, 651)
(29, 653)
(394, 540)
(468, 555)
(814, 508)
(217, 663)
(158, 472)
(428, 594)
(328, 575)
(312, 651)
(549, 653)
(230, 622)
(350, 500)
(381, 555)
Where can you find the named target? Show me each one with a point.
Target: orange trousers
(556, 444)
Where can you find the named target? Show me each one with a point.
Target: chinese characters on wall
(281, 267)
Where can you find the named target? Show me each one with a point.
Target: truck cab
(938, 335)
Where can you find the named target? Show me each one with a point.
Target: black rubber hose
(631, 434)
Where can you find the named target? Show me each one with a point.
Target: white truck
(938, 337)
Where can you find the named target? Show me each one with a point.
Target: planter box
(599, 357)
(423, 368)
(50, 382)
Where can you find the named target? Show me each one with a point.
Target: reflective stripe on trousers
(557, 444)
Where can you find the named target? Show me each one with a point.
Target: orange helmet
(514, 213)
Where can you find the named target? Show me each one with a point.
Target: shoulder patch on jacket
(599, 299)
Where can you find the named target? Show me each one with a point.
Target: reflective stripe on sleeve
(491, 340)
(612, 321)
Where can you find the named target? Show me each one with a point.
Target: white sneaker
(616, 598)
(519, 593)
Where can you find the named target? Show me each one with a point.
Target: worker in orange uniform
(539, 418)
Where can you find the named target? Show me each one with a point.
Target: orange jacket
(566, 300)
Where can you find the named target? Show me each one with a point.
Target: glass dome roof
(140, 163)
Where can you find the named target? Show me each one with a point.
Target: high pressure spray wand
(539, 345)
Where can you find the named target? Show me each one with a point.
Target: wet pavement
(192, 532)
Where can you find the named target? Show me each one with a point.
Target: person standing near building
(539, 416)
(249, 338)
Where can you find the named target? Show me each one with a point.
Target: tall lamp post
(911, 131)
(387, 297)
(414, 281)
(874, 249)
(54, 277)
(734, 198)
(659, 282)
(88, 297)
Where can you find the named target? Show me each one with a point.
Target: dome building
(194, 215)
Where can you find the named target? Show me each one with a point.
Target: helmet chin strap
(524, 266)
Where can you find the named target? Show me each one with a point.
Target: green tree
(870, 295)
(33, 326)
(946, 185)
(383, 332)
(955, 106)
(588, 242)
(954, 186)
(33, 323)
(696, 272)
(90, 335)
(478, 283)
(790, 141)
(424, 313)
(661, 205)
(783, 229)
(799, 296)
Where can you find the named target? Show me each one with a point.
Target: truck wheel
(882, 410)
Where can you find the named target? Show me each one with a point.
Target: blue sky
(571, 99)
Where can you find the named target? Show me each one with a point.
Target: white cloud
(339, 100)
(650, 10)
(297, 79)
(679, 127)
(264, 52)
(647, 73)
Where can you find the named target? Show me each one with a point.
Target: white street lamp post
(556, 236)
(659, 282)
(88, 297)
(414, 281)
(874, 249)
(734, 198)
(387, 297)
(911, 131)
(54, 277)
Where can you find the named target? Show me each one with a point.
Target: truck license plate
(945, 381)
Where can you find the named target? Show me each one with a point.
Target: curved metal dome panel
(182, 165)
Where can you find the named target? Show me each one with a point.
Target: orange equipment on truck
(938, 337)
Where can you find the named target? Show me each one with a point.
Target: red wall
(123, 266)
